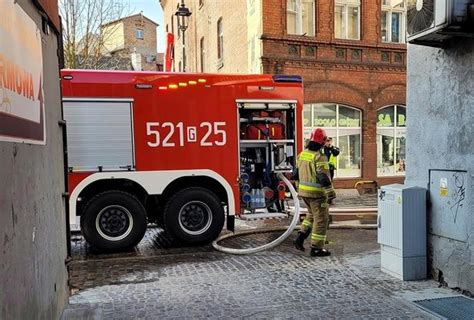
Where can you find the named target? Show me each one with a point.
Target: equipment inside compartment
(267, 146)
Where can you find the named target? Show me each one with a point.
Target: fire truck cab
(189, 152)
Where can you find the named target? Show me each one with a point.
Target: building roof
(129, 17)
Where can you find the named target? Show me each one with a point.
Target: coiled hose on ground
(269, 245)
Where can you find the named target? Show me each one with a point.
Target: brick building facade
(351, 54)
(133, 37)
(202, 53)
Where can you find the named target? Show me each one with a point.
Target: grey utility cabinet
(401, 231)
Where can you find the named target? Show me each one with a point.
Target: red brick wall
(340, 71)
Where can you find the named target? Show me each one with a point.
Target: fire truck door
(99, 134)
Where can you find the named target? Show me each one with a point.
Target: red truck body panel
(190, 99)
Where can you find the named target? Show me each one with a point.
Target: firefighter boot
(316, 252)
(299, 241)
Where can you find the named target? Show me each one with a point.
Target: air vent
(420, 15)
(435, 22)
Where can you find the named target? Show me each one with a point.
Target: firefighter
(314, 180)
(331, 153)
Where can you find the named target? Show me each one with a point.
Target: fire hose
(288, 230)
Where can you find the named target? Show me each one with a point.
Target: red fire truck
(186, 151)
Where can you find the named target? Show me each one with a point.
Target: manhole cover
(450, 308)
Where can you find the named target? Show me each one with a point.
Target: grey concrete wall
(33, 276)
(440, 93)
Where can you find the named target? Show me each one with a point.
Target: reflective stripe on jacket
(332, 152)
(309, 164)
(332, 160)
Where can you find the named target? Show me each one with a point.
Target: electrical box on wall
(449, 194)
(401, 232)
(434, 22)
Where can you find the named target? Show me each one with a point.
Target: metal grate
(451, 308)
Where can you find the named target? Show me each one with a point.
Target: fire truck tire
(194, 216)
(113, 220)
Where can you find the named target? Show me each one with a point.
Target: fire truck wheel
(113, 220)
(194, 216)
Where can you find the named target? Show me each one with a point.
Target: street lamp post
(182, 15)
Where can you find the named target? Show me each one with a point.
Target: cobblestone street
(199, 283)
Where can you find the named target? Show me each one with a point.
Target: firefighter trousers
(316, 220)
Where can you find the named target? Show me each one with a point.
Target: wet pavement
(350, 198)
(159, 281)
(156, 240)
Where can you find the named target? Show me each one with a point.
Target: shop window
(393, 21)
(347, 19)
(391, 140)
(343, 124)
(300, 17)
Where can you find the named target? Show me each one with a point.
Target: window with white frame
(347, 19)
(139, 33)
(300, 17)
(391, 140)
(393, 19)
(220, 40)
(343, 124)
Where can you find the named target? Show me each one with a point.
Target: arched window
(220, 40)
(391, 140)
(343, 124)
(201, 53)
(300, 17)
(172, 24)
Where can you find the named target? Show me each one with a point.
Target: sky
(151, 9)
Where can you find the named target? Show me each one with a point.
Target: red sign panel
(21, 69)
(169, 54)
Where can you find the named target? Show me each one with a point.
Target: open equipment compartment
(267, 147)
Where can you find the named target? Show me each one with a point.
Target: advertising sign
(21, 70)
(169, 52)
